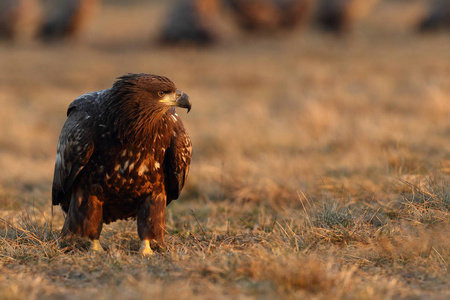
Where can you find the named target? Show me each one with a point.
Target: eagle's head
(152, 90)
(139, 101)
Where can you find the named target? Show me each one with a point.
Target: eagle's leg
(85, 219)
(151, 221)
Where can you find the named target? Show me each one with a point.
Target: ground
(320, 170)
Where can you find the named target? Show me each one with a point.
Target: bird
(438, 16)
(19, 19)
(340, 16)
(70, 19)
(191, 21)
(269, 15)
(122, 153)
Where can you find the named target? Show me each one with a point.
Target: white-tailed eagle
(122, 153)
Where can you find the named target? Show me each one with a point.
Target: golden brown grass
(320, 170)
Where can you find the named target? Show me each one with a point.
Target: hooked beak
(183, 100)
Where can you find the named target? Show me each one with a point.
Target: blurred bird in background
(201, 22)
(437, 17)
(191, 21)
(341, 16)
(270, 15)
(68, 19)
(19, 18)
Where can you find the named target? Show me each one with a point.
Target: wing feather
(75, 147)
(176, 163)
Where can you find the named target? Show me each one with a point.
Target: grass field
(320, 170)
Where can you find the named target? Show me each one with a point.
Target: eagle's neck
(130, 119)
(151, 127)
(140, 126)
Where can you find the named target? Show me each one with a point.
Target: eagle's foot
(96, 247)
(145, 250)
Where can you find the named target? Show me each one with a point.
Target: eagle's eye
(161, 93)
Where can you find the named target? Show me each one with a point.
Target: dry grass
(321, 166)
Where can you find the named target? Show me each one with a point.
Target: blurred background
(321, 147)
(287, 95)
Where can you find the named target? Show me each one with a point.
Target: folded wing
(75, 147)
(176, 163)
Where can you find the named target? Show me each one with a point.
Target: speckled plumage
(122, 153)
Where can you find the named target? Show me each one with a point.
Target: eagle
(122, 153)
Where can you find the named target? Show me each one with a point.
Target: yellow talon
(145, 248)
(96, 247)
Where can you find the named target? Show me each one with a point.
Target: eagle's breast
(131, 170)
